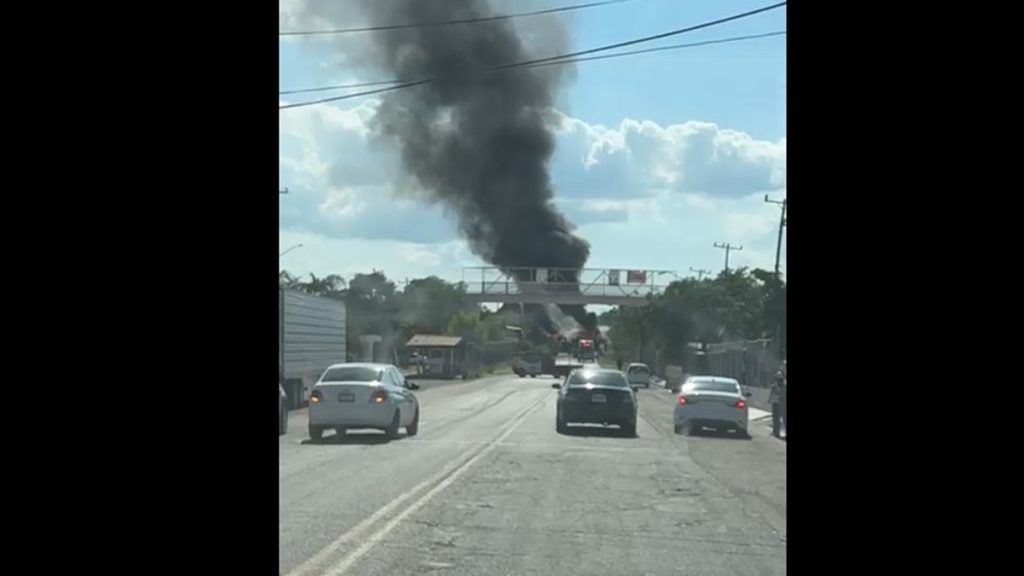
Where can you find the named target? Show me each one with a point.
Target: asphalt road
(488, 487)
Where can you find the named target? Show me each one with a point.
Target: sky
(658, 156)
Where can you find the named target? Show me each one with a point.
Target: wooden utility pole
(728, 248)
(782, 224)
(700, 272)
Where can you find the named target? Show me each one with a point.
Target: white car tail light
(379, 396)
(741, 404)
(316, 397)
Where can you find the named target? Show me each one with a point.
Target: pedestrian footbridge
(617, 287)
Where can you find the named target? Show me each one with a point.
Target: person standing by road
(618, 364)
(777, 398)
(782, 399)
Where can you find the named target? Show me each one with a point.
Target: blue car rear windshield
(352, 374)
(598, 378)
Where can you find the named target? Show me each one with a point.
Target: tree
(774, 297)
(372, 289)
(428, 304)
(736, 305)
(332, 286)
(372, 308)
(630, 331)
(466, 324)
(287, 281)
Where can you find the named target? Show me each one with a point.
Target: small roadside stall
(445, 356)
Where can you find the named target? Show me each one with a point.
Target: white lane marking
(347, 562)
(312, 562)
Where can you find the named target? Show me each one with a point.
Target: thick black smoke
(478, 143)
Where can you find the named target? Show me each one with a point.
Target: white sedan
(711, 402)
(363, 395)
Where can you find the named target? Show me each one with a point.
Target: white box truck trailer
(311, 338)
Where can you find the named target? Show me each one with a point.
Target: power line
(559, 62)
(450, 22)
(642, 40)
(528, 63)
(661, 49)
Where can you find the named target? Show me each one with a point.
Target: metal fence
(751, 362)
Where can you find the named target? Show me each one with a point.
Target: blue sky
(658, 156)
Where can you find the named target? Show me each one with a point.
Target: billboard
(636, 277)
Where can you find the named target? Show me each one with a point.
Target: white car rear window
(705, 386)
(352, 374)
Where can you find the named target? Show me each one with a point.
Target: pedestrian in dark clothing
(777, 398)
(784, 416)
(619, 364)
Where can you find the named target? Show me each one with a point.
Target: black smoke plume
(478, 143)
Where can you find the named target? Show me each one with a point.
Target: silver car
(639, 374)
(711, 402)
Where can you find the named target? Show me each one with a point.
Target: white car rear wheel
(414, 427)
(392, 430)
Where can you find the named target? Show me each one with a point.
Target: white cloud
(749, 225)
(344, 184)
(322, 255)
(641, 193)
(639, 158)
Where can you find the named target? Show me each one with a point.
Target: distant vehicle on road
(282, 410)
(565, 363)
(639, 374)
(363, 395)
(585, 350)
(527, 365)
(711, 402)
(596, 396)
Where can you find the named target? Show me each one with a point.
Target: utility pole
(700, 272)
(778, 251)
(782, 224)
(728, 248)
